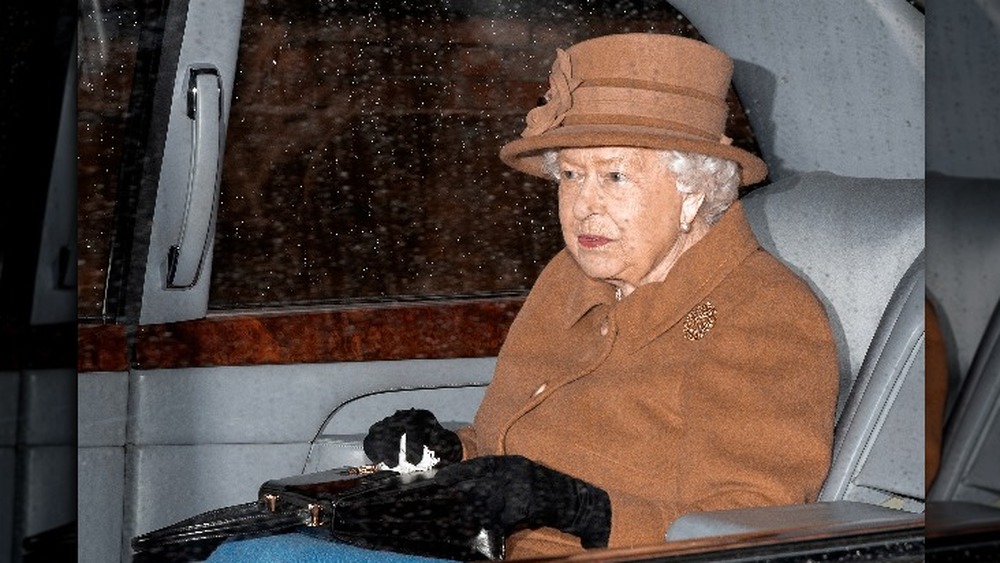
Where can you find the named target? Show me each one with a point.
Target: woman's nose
(588, 200)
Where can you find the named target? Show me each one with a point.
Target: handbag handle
(346, 505)
(195, 538)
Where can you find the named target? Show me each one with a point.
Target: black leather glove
(421, 429)
(513, 492)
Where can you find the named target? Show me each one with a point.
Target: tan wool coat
(713, 389)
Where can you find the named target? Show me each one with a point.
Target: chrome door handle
(185, 259)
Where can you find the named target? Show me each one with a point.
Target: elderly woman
(663, 363)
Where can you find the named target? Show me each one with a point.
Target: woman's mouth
(592, 241)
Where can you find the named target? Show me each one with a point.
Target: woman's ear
(690, 205)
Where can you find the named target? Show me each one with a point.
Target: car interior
(966, 489)
(867, 199)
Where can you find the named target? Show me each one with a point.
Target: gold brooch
(699, 321)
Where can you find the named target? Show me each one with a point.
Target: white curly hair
(717, 178)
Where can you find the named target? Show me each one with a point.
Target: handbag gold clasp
(272, 502)
(362, 469)
(315, 515)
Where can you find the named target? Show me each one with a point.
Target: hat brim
(525, 154)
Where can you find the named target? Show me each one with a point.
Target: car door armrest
(770, 519)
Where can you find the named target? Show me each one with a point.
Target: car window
(361, 154)
(108, 42)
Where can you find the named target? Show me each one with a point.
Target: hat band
(636, 84)
(701, 116)
(674, 127)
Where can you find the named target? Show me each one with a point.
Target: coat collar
(653, 308)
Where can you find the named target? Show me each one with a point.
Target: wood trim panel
(426, 330)
(101, 348)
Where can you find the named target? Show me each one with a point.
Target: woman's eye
(568, 175)
(616, 177)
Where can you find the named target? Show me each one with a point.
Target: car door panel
(178, 261)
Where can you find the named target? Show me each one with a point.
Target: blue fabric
(303, 548)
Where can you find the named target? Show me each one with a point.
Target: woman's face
(620, 212)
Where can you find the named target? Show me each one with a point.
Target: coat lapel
(655, 308)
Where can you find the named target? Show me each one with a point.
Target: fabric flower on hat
(558, 100)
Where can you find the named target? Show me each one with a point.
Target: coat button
(540, 390)
(604, 327)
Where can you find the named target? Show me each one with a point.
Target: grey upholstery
(339, 441)
(851, 239)
(963, 196)
(828, 515)
(970, 460)
(963, 241)
(879, 447)
(963, 276)
(859, 244)
(963, 131)
(156, 446)
(835, 86)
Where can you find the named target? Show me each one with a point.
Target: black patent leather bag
(383, 510)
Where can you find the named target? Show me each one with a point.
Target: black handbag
(381, 510)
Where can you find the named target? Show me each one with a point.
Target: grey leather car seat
(964, 238)
(859, 243)
(963, 276)
(970, 460)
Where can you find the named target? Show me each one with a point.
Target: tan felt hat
(634, 90)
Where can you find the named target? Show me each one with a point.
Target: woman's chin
(601, 270)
